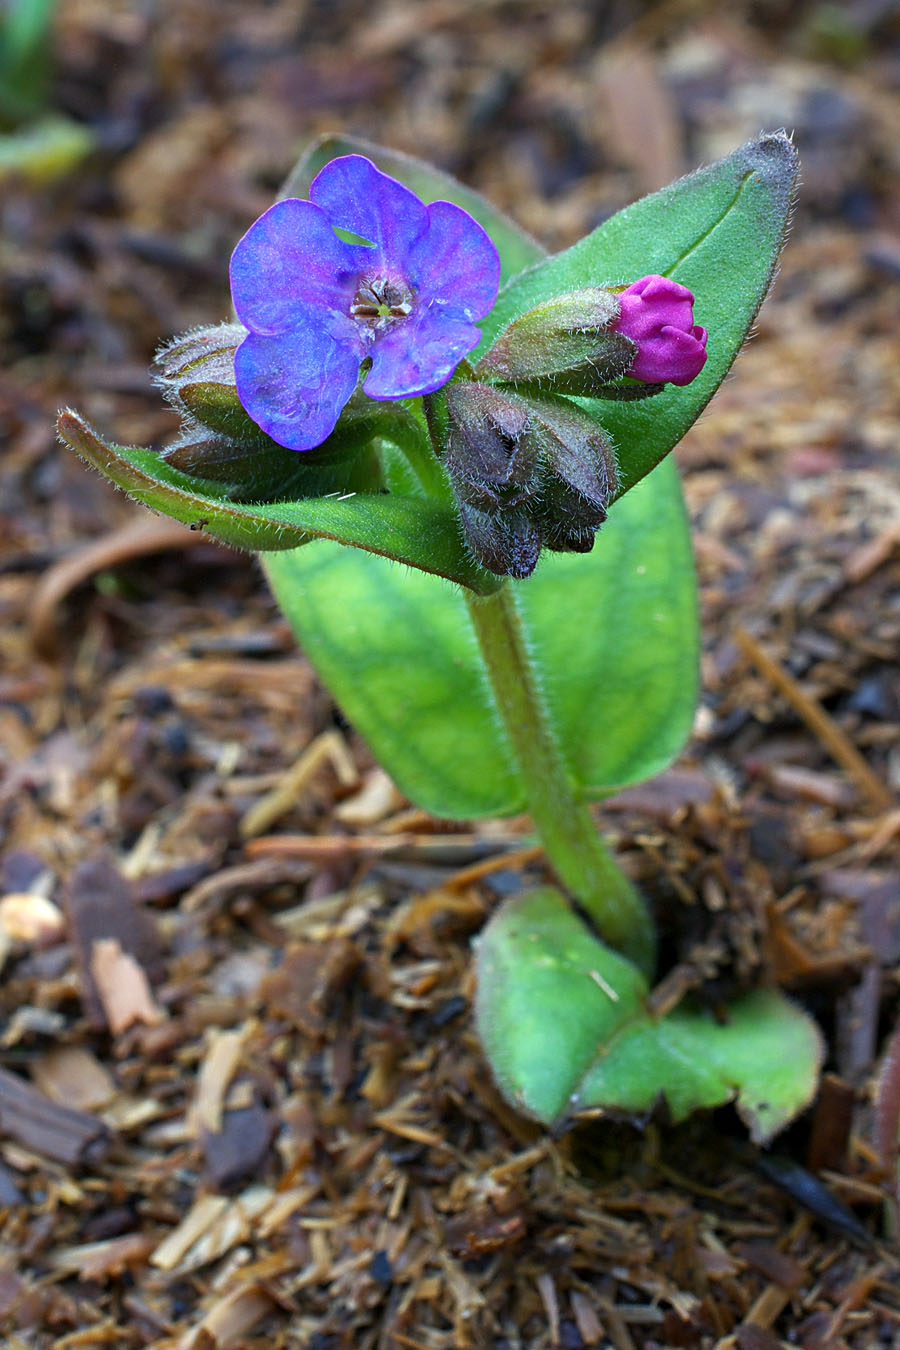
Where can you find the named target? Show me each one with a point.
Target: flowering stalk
(562, 819)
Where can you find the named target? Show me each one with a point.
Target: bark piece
(42, 1126)
(236, 1152)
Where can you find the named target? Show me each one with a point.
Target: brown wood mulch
(241, 1104)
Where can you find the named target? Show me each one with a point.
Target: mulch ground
(241, 1102)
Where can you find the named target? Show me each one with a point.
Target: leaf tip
(773, 159)
(74, 431)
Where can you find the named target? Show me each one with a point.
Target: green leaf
(719, 231)
(516, 248)
(25, 52)
(413, 530)
(396, 650)
(615, 639)
(564, 1024)
(44, 150)
(612, 634)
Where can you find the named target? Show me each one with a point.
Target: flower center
(379, 301)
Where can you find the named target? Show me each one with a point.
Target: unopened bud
(657, 314)
(196, 373)
(507, 543)
(526, 469)
(568, 342)
(568, 521)
(220, 443)
(488, 451)
(574, 447)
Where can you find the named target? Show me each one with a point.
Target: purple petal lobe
(657, 314)
(295, 384)
(357, 196)
(419, 355)
(288, 258)
(455, 262)
(672, 356)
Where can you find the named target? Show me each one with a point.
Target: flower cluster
(529, 471)
(530, 468)
(365, 278)
(403, 299)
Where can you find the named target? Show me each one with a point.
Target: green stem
(410, 434)
(563, 821)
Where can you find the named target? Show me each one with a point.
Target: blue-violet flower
(316, 307)
(657, 314)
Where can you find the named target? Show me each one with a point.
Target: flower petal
(418, 355)
(295, 384)
(288, 258)
(651, 302)
(357, 196)
(455, 262)
(671, 356)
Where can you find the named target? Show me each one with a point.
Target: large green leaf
(564, 1024)
(612, 635)
(718, 231)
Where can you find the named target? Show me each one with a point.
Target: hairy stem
(572, 844)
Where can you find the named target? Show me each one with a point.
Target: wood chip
(820, 722)
(236, 1152)
(329, 748)
(301, 988)
(220, 1062)
(229, 1319)
(100, 905)
(376, 799)
(72, 1076)
(590, 1328)
(122, 987)
(871, 555)
(30, 918)
(203, 1214)
(107, 1260)
(143, 535)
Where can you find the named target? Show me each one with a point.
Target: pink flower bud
(658, 315)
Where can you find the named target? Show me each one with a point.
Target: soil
(241, 1101)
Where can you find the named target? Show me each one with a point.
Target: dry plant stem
(564, 823)
(836, 742)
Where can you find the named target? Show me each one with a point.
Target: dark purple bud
(568, 342)
(488, 449)
(657, 314)
(527, 469)
(574, 449)
(507, 543)
(568, 521)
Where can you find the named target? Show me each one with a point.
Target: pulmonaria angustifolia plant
(410, 378)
